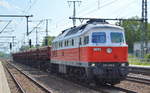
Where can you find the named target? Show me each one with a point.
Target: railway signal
(10, 46)
(30, 43)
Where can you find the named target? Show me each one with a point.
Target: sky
(58, 13)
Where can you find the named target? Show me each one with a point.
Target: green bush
(131, 56)
(147, 56)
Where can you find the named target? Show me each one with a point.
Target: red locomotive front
(104, 54)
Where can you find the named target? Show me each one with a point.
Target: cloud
(5, 4)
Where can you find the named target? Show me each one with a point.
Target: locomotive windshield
(116, 37)
(99, 37)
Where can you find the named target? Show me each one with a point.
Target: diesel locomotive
(95, 51)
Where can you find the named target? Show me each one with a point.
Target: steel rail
(29, 77)
(139, 78)
(16, 82)
(139, 70)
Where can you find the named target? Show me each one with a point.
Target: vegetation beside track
(138, 61)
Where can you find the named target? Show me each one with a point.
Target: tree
(4, 55)
(132, 31)
(26, 47)
(48, 40)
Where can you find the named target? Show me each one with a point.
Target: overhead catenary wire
(103, 5)
(27, 9)
(86, 7)
(96, 9)
(92, 13)
(35, 27)
(81, 10)
(5, 26)
(130, 4)
(59, 21)
(30, 6)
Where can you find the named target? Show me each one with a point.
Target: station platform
(139, 66)
(4, 87)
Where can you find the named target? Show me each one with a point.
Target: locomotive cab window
(116, 37)
(98, 37)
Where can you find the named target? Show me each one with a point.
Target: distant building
(137, 48)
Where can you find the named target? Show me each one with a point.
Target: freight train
(95, 51)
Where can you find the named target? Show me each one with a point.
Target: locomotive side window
(72, 42)
(116, 37)
(61, 44)
(99, 37)
(80, 41)
(86, 40)
(65, 43)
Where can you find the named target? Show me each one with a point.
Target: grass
(141, 62)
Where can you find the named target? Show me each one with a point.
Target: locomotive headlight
(123, 64)
(93, 65)
(109, 50)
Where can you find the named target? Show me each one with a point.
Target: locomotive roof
(83, 28)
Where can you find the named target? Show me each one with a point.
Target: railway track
(139, 70)
(57, 79)
(21, 79)
(139, 78)
(98, 89)
(19, 87)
